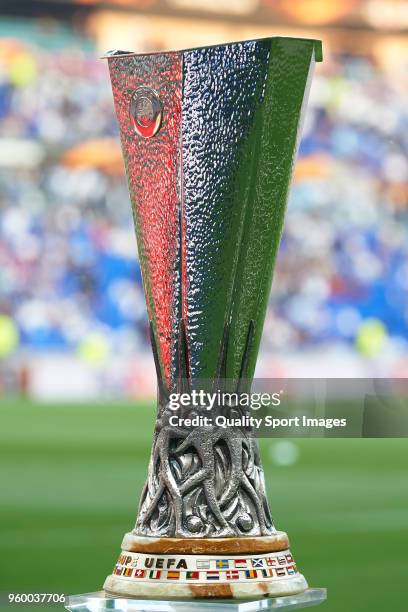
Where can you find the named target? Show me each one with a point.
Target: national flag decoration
(265, 567)
(203, 564)
(232, 575)
(251, 574)
(155, 574)
(140, 573)
(192, 575)
(173, 575)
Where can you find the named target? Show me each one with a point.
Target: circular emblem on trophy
(146, 112)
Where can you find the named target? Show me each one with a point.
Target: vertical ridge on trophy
(209, 138)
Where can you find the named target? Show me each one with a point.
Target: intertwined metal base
(99, 602)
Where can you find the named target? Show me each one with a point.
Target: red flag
(232, 575)
(192, 575)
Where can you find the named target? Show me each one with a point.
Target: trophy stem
(203, 503)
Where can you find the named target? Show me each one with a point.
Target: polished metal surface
(146, 112)
(209, 137)
(204, 482)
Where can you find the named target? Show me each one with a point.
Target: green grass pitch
(71, 477)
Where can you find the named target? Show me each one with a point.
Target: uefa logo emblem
(146, 112)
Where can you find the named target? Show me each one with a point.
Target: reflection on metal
(203, 483)
(209, 193)
(146, 112)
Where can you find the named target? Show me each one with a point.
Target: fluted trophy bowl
(209, 137)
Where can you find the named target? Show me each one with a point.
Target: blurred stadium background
(73, 320)
(73, 328)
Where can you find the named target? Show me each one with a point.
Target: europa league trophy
(209, 137)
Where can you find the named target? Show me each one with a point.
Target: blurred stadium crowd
(69, 278)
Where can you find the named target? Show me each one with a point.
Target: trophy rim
(116, 53)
